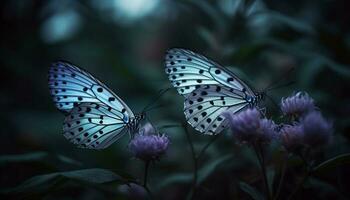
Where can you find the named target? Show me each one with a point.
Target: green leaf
(212, 12)
(42, 183)
(28, 157)
(177, 178)
(68, 160)
(323, 188)
(94, 175)
(309, 54)
(209, 168)
(247, 52)
(332, 163)
(253, 193)
(207, 36)
(295, 24)
(39, 156)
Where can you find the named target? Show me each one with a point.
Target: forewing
(187, 71)
(203, 108)
(70, 86)
(94, 126)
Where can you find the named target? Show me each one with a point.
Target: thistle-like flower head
(248, 126)
(148, 146)
(297, 105)
(317, 130)
(292, 136)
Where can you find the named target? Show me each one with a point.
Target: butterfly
(95, 116)
(209, 90)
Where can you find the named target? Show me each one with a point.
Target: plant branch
(283, 173)
(145, 175)
(196, 158)
(305, 177)
(300, 185)
(207, 146)
(260, 155)
(195, 162)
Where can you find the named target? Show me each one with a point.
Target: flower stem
(300, 185)
(195, 163)
(283, 173)
(260, 155)
(145, 174)
(207, 146)
(196, 158)
(304, 178)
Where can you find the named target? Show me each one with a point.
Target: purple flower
(292, 136)
(248, 127)
(297, 105)
(148, 147)
(317, 130)
(147, 129)
(133, 191)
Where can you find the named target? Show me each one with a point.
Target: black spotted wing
(94, 126)
(204, 106)
(70, 85)
(96, 117)
(187, 71)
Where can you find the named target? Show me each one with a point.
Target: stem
(195, 162)
(260, 155)
(207, 146)
(305, 177)
(195, 159)
(145, 174)
(283, 173)
(300, 185)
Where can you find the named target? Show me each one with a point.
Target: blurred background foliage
(123, 42)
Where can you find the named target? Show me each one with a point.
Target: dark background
(123, 44)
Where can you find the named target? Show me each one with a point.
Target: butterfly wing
(70, 85)
(96, 117)
(187, 71)
(203, 108)
(94, 125)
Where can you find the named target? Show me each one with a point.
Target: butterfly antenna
(153, 108)
(274, 83)
(155, 99)
(280, 86)
(169, 126)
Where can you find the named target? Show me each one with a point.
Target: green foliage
(332, 163)
(37, 157)
(209, 168)
(253, 193)
(44, 183)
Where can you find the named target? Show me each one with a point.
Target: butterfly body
(209, 90)
(134, 124)
(95, 116)
(254, 101)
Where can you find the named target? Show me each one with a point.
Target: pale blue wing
(94, 126)
(203, 108)
(187, 71)
(70, 86)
